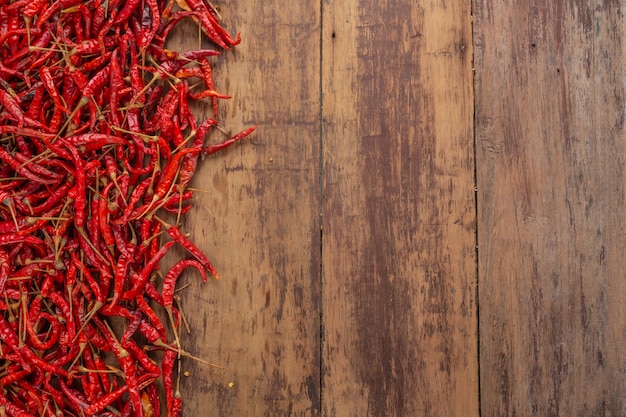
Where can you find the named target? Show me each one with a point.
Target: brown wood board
(398, 260)
(550, 84)
(258, 222)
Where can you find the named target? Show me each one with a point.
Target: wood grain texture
(398, 257)
(550, 101)
(258, 221)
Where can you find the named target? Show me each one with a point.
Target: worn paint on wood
(399, 310)
(258, 221)
(550, 102)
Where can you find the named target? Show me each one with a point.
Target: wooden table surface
(429, 220)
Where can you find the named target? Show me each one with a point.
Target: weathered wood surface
(550, 102)
(259, 223)
(398, 247)
(375, 100)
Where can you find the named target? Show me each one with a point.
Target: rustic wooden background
(430, 219)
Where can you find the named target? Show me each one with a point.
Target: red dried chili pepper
(167, 367)
(53, 337)
(90, 152)
(144, 275)
(75, 399)
(12, 409)
(142, 358)
(169, 282)
(203, 15)
(170, 171)
(22, 170)
(5, 268)
(48, 83)
(179, 237)
(106, 400)
(130, 373)
(215, 148)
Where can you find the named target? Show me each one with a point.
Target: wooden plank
(550, 101)
(259, 223)
(399, 271)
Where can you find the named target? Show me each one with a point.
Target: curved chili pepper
(22, 170)
(36, 361)
(208, 26)
(119, 280)
(11, 377)
(75, 399)
(179, 237)
(106, 400)
(127, 11)
(142, 358)
(37, 169)
(48, 83)
(141, 278)
(145, 308)
(169, 282)
(53, 337)
(170, 171)
(215, 148)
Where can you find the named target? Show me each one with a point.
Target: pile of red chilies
(97, 148)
